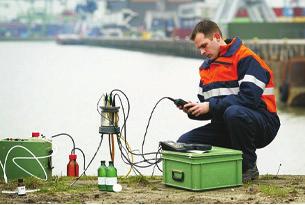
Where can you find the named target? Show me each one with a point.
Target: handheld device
(178, 102)
(183, 147)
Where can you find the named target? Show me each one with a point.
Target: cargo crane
(258, 10)
(85, 13)
(95, 19)
(160, 21)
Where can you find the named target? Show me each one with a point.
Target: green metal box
(21, 158)
(218, 168)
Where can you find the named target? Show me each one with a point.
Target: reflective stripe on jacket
(237, 77)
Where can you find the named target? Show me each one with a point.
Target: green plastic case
(17, 157)
(218, 168)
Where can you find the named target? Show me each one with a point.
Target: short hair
(207, 27)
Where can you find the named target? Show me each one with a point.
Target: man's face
(209, 47)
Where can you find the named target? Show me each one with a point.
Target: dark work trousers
(242, 129)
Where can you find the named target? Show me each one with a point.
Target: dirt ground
(139, 190)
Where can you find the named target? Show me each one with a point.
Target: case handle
(178, 175)
(50, 166)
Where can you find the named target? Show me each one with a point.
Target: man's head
(207, 38)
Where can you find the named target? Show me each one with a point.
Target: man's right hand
(186, 107)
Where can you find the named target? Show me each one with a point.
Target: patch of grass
(88, 178)
(55, 184)
(269, 177)
(132, 178)
(30, 183)
(135, 180)
(138, 180)
(33, 183)
(274, 191)
(61, 184)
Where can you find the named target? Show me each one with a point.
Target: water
(52, 89)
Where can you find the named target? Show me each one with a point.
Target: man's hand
(183, 107)
(196, 109)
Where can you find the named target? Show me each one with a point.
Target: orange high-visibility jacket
(237, 77)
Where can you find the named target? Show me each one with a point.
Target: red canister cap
(35, 134)
(72, 156)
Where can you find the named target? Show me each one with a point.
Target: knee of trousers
(185, 138)
(235, 115)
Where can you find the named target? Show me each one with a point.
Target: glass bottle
(101, 174)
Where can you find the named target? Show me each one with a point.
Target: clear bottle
(21, 188)
(101, 174)
(111, 176)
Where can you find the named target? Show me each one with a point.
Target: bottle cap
(72, 156)
(35, 134)
(20, 180)
(117, 188)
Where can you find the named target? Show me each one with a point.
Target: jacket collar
(231, 47)
(206, 63)
(225, 51)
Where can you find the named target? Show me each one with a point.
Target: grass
(274, 191)
(56, 184)
(58, 190)
(269, 177)
(138, 180)
(62, 184)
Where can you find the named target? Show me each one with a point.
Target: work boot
(250, 174)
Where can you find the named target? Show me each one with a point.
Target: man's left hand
(197, 109)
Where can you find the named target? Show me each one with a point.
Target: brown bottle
(21, 188)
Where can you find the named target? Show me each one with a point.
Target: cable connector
(178, 102)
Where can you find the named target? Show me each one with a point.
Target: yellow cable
(128, 147)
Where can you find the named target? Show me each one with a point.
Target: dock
(276, 52)
(270, 49)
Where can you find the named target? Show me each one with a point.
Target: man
(236, 92)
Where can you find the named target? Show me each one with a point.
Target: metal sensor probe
(109, 117)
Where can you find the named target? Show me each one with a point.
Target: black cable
(125, 119)
(65, 134)
(89, 162)
(125, 149)
(125, 159)
(159, 152)
(84, 156)
(98, 102)
(97, 108)
(148, 123)
(128, 104)
(123, 156)
(124, 127)
(142, 154)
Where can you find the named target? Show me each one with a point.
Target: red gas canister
(72, 167)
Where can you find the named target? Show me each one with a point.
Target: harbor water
(53, 89)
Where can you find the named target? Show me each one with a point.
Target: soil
(144, 190)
